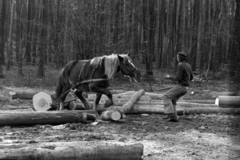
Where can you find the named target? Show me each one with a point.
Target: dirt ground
(195, 137)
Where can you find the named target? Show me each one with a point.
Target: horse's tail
(59, 88)
(64, 82)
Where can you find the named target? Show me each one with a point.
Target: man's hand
(167, 76)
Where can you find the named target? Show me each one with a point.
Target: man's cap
(182, 54)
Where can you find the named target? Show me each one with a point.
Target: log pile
(141, 102)
(152, 103)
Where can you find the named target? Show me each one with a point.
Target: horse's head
(128, 68)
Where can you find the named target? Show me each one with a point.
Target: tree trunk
(19, 37)
(29, 32)
(42, 52)
(144, 31)
(151, 37)
(41, 118)
(73, 150)
(228, 101)
(9, 62)
(2, 45)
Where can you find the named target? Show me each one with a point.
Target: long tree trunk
(42, 44)
(9, 55)
(29, 33)
(151, 37)
(144, 30)
(3, 16)
(234, 56)
(19, 36)
(2, 57)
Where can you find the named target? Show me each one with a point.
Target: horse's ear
(120, 58)
(128, 54)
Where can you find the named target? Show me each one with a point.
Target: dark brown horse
(93, 76)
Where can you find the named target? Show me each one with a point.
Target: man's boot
(172, 117)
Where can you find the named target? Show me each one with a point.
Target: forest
(42, 32)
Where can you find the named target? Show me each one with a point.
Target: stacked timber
(153, 103)
(134, 102)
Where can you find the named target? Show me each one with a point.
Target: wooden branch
(228, 101)
(50, 117)
(72, 150)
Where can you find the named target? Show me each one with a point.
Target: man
(183, 77)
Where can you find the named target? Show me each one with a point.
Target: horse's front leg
(98, 97)
(84, 101)
(99, 92)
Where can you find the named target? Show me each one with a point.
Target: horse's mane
(111, 63)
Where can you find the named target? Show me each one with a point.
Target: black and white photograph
(119, 79)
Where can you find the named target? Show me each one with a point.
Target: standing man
(183, 78)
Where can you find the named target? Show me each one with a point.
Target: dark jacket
(184, 74)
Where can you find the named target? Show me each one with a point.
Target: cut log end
(111, 115)
(42, 101)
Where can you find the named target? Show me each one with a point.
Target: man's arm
(178, 75)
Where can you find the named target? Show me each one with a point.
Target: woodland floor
(197, 137)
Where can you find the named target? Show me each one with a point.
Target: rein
(123, 68)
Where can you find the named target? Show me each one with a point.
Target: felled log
(28, 95)
(107, 115)
(157, 109)
(195, 105)
(72, 150)
(117, 98)
(200, 101)
(207, 94)
(127, 107)
(50, 117)
(228, 101)
(111, 115)
(212, 110)
(159, 102)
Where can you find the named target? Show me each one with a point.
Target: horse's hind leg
(84, 101)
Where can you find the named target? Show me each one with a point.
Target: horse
(93, 75)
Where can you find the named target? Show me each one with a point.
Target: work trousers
(171, 97)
